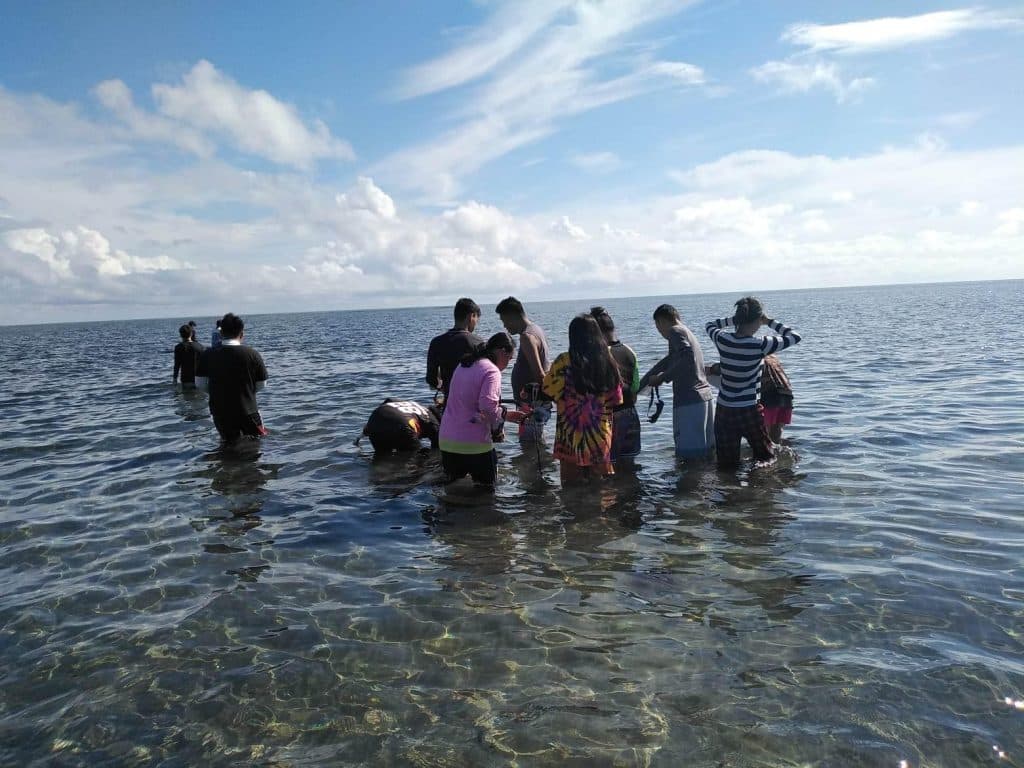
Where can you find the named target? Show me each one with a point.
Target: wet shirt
(233, 371)
(186, 358)
(522, 376)
(445, 353)
(399, 423)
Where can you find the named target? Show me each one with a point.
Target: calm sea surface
(165, 603)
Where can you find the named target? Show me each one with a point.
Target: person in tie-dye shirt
(585, 385)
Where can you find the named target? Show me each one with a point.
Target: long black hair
(592, 366)
(500, 340)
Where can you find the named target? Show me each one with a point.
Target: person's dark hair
(747, 309)
(464, 308)
(185, 332)
(591, 364)
(231, 326)
(500, 340)
(510, 306)
(666, 311)
(604, 320)
(192, 323)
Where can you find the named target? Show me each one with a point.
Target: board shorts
(733, 425)
(693, 429)
(531, 429)
(234, 427)
(625, 434)
(482, 467)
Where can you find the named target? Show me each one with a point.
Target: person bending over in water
(742, 360)
(473, 417)
(776, 398)
(693, 411)
(233, 374)
(399, 425)
(625, 420)
(585, 385)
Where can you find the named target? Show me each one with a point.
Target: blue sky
(190, 158)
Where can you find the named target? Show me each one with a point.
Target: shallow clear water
(164, 603)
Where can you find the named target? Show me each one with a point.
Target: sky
(191, 158)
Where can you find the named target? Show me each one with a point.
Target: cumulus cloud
(116, 97)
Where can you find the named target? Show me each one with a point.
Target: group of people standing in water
(592, 388)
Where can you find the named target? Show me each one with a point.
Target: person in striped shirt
(742, 355)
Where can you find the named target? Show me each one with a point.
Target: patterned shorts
(734, 424)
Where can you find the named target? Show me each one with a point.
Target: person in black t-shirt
(399, 425)
(447, 350)
(186, 356)
(232, 374)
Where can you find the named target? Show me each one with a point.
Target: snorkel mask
(657, 407)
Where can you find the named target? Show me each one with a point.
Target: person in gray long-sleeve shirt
(693, 408)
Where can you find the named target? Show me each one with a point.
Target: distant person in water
(473, 419)
(585, 386)
(625, 420)
(193, 326)
(216, 337)
(233, 374)
(776, 398)
(530, 367)
(693, 411)
(740, 415)
(399, 425)
(186, 357)
(447, 350)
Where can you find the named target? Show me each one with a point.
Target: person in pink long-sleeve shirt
(473, 415)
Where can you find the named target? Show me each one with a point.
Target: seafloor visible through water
(861, 604)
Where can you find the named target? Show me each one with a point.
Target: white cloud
(737, 215)
(881, 34)
(792, 76)
(256, 122)
(596, 162)
(367, 196)
(566, 228)
(970, 208)
(116, 97)
(1011, 222)
(534, 71)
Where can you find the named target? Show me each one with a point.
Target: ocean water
(163, 602)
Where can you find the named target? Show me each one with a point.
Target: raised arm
(785, 337)
(715, 327)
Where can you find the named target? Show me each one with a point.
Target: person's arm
(653, 377)
(786, 337)
(177, 364)
(634, 385)
(614, 397)
(489, 399)
(680, 355)
(432, 367)
(715, 327)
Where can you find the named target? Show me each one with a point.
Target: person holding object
(186, 357)
(447, 350)
(584, 383)
(474, 417)
(529, 369)
(776, 398)
(233, 374)
(625, 420)
(693, 410)
(742, 360)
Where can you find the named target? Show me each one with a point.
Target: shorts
(482, 467)
(693, 428)
(531, 429)
(625, 434)
(774, 416)
(734, 424)
(233, 427)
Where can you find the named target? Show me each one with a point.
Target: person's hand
(517, 417)
(498, 435)
(655, 380)
(765, 320)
